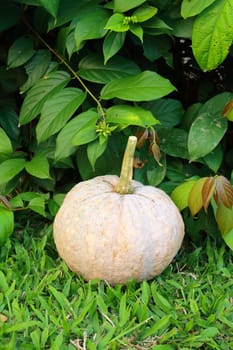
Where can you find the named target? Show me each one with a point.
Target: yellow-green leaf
(180, 194)
(195, 197)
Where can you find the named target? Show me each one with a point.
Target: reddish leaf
(138, 163)
(142, 136)
(224, 191)
(195, 202)
(3, 318)
(5, 202)
(227, 108)
(208, 191)
(156, 152)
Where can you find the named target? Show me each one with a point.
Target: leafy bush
(78, 77)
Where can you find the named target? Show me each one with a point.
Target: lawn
(45, 306)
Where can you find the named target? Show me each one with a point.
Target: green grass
(45, 306)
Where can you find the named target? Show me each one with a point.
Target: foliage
(45, 306)
(89, 74)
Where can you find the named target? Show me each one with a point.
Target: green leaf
(130, 115)
(20, 52)
(180, 195)
(168, 111)
(194, 7)
(37, 204)
(94, 150)
(86, 128)
(224, 218)
(51, 6)
(6, 224)
(173, 141)
(137, 31)
(228, 238)
(9, 14)
(156, 173)
(117, 23)
(43, 90)
(10, 168)
(91, 26)
(77, 124)
(214, 159)
(35, 68)
(113, 42)
(190, 115)
(92, 68)
(38, 167)
(57, 111)
(213, 34)
(123, 6)
(144, 13)
(5, 144)
(145, 86)
(206, 132)
(9, 122)
(183, 28)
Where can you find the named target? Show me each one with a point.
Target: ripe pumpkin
(116, 229)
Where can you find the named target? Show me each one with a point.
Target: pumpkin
(117, 229)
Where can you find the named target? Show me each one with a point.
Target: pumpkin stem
(124, 185)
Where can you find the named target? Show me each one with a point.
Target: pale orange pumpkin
(116, 229)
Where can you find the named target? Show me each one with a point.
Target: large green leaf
(51, 6)
(6, 224)
(91, 26)
(129, 115)
(145, 86)
(20, 52)
(92, 68)
(205, 134)
(35, 68)
(168, 111)
(194, 7)
(57, 111)
(123, 5)
(209, 127)
(113, 42)
(38, 167)
(44, 89)
(86, 128)
(5, 144)
(213, 34)
(67, 134)
(173, 141)
(10, 168)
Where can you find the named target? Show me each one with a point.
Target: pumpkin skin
(102, 234)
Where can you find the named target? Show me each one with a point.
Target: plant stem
(124, 185)
(63, 61)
